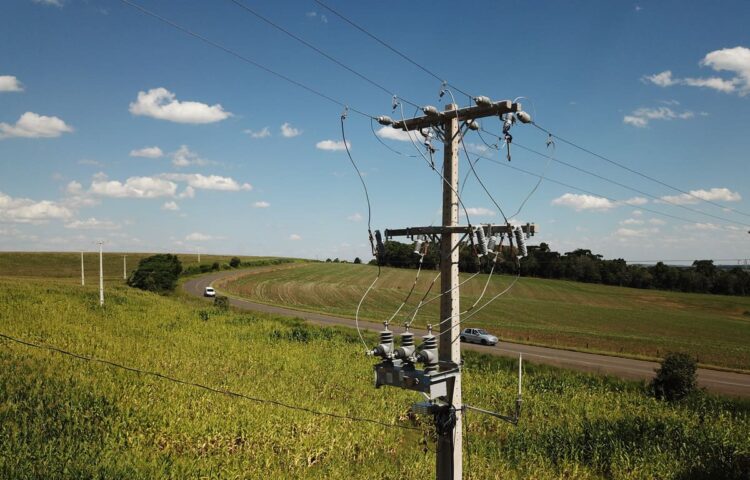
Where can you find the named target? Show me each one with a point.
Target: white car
(209, 292)
(478, 335)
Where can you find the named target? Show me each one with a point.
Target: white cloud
(160, 103)
(714, 194)
(583, 202)
(74, 188)
(656, 221)
(321, 17)
(635, 201)
(261, 204)
(171, 206)
(294, 236)
(635, 232)
(642, 116)
(703, 226)
(208, 182)
(201, 237)
(263, 133)
(25, 210)
(54, 3)
(133, 187)
(631, 221)
(92, 224)
(183, 157)
(32, 125)
(637, 213)
(394, 134)
(288, 131)
(189, 192)
(147, 152)
(332, 145)
(88, 161)
(734, 60)
(9, 83)
(480, 211)
(356, 217)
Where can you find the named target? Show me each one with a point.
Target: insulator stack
(482, 241)
(406, 350)
(428, 353)
(520, 241)
(492, 243)
(385, 349)
(418, 246)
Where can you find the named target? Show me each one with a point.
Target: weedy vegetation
(62, 417)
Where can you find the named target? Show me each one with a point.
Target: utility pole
(101, 273)
(440, 381)
(124, 267)
(83, 278)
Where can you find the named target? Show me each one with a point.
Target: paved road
(729, 383)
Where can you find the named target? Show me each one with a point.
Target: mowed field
(67, 265)
(599, 318)
(64, 418)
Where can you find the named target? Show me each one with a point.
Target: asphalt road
(727, 383)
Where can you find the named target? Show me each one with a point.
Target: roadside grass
(557, 313)
(65, 418)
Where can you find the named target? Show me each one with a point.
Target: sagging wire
(397, 152)
(375, 252)
(550, 143)
(419, 250)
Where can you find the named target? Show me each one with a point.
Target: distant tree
(336, 260)
(157, 273)
(357, 260)
(235, 262)
(676, 377)
(328, 260)
(215, 266)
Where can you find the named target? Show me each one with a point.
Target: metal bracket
(403, 375)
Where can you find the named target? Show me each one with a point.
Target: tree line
(582, 265)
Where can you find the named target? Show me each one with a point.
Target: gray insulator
(523, 117)
(431, 111)
(428, 353)
(520, 241)
(483, 101)
(386, 345)
(482, 241)
(407, 346)
(492, 243)
(473, 125)
(418, 246)
(385, 120)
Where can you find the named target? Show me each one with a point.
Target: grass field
(623, 321)
(67, 265)
(65, 418)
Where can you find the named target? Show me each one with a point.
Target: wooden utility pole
(101, 273)
(450, 444)
(83, 278)
(124, 267)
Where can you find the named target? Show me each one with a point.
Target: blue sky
(114, 125)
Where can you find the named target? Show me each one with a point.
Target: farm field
(61, 417)
(67, 265)
(563, 314)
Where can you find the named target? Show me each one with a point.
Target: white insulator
(473, 125)
(431, 111)
(524, 117)
(520, 241)
(492, 243)
(483, 101)
(482, 241)
(418, 246)
(385, 120)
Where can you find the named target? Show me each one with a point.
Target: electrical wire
(241, 57)
(397, 152)
(201, 386)
(636, 172)
(411, 290)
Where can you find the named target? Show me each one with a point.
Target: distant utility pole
(199, 257)
(83, 278)
(124, 267)
(440, 381)
(101, 273)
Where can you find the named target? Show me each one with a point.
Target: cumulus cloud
(735, 60)
(183, 157)
(635, 232)
(631, 221)
(54, 3)
(263, 133)
(583, 202)
(316, 15)
(162, 104)
(288, 131)
(261, 204)
(294, 236)
(201, 237)
(394, 134)
(642, 116)
(147, 152)
(133, 187)
(656, 221)
(92, 223)
(9, 83)
(695, 196)
(332, 145)
(635, 201)
(171, 206)
(355, 217)
(480, 211)
(25, 210)
(88, 161)
(208, 182)
(32, 125)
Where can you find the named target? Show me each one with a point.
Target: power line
(203, 387)
(631, 170)
(242, 57)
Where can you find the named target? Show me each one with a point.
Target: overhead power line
(243, 57)
(204, 387)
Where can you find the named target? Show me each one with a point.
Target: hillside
(616, 320)
(62, 417)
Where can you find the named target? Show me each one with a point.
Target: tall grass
(64, 418)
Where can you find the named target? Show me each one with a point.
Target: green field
(67, 265)
(63, 418)
(622, 321)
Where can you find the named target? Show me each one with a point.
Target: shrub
(357, 260)
(234, 262)
(215, 266)
(221, 302)
(203, 315)
(157, 273)
(675, 378)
